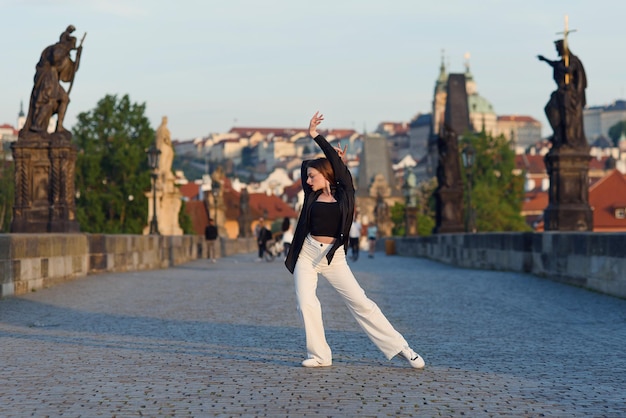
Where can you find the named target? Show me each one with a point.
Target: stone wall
(595, 261)
(33, 261)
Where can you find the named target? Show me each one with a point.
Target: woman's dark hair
(323, 166)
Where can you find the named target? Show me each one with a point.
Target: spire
(21, 117)
(443, 76)
(442, 80)
(470, 84)
(468, 73)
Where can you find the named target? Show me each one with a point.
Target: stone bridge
(201, 339)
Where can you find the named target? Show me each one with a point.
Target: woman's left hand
(341, 152)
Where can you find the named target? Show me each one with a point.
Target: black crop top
(324, 219)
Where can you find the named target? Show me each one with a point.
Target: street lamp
(153, 162)
(469, 157)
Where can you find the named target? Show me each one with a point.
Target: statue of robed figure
(45, 161)
(567, 162)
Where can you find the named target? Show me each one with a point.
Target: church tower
(21, 117)
(439, 98)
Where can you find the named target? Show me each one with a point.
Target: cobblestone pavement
(225, 339)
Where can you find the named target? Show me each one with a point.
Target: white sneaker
(311, 362)
(412, 357)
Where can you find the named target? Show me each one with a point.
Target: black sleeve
(342, 174)
(303, 175)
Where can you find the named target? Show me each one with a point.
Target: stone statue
(164, 144)
(448, 169)
(565, 108)
(245, 219)
(48, 96)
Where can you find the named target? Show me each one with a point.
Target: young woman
(319, 247)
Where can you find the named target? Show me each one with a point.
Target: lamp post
(153, 162)
(469, 155)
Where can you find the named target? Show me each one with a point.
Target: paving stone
(225, 339)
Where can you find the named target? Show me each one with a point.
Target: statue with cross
(565, 108)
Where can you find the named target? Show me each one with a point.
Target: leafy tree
(497, 194)
(616, 131)
(112, 171)
(184, 220)
(398, 219)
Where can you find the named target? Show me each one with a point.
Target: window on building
(620, 213)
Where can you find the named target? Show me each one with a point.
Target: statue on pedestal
(45, 162)
(565, 108)
(164, 144)
(567, 162)
(169, 201)
(48, 96)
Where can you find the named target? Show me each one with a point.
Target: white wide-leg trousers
(311, 262)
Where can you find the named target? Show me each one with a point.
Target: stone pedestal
(168, 207)
(44, 180)
(449, 215)
(568, 208)
(411, 220)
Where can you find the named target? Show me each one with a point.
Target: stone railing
(595, 261)
(32, 261)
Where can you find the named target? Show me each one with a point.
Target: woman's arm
(332, 154)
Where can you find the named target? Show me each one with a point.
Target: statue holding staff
(48, 96)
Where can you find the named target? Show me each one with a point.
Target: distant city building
(522, 131)
(597, 120)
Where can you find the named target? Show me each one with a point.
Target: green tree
(184, 220)
(112, 171)
(616, 131)
(497, 194)
(398, 219)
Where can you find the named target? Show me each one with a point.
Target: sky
(210, 65)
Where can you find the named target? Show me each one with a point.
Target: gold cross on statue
(566, 32)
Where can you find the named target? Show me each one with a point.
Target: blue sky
(209, 65)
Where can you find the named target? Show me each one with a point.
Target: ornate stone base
(44, 180)
(568, 208)
(169, 203)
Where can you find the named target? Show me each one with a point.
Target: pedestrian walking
(319, 247)
(287, 237)
(262, 236)
(210, 234)
(372, 234)
(355, 238)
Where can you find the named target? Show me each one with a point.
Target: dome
(478, 104)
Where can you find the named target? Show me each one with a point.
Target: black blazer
(344, 194)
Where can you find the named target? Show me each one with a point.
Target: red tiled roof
(246, 131)
(341, 133)
(535, 201)
(598, 164)
(517, 118)
(271, 207)
(198, 214)
(605, 196)
(530, 163)
(190, 190)
(292, 191)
